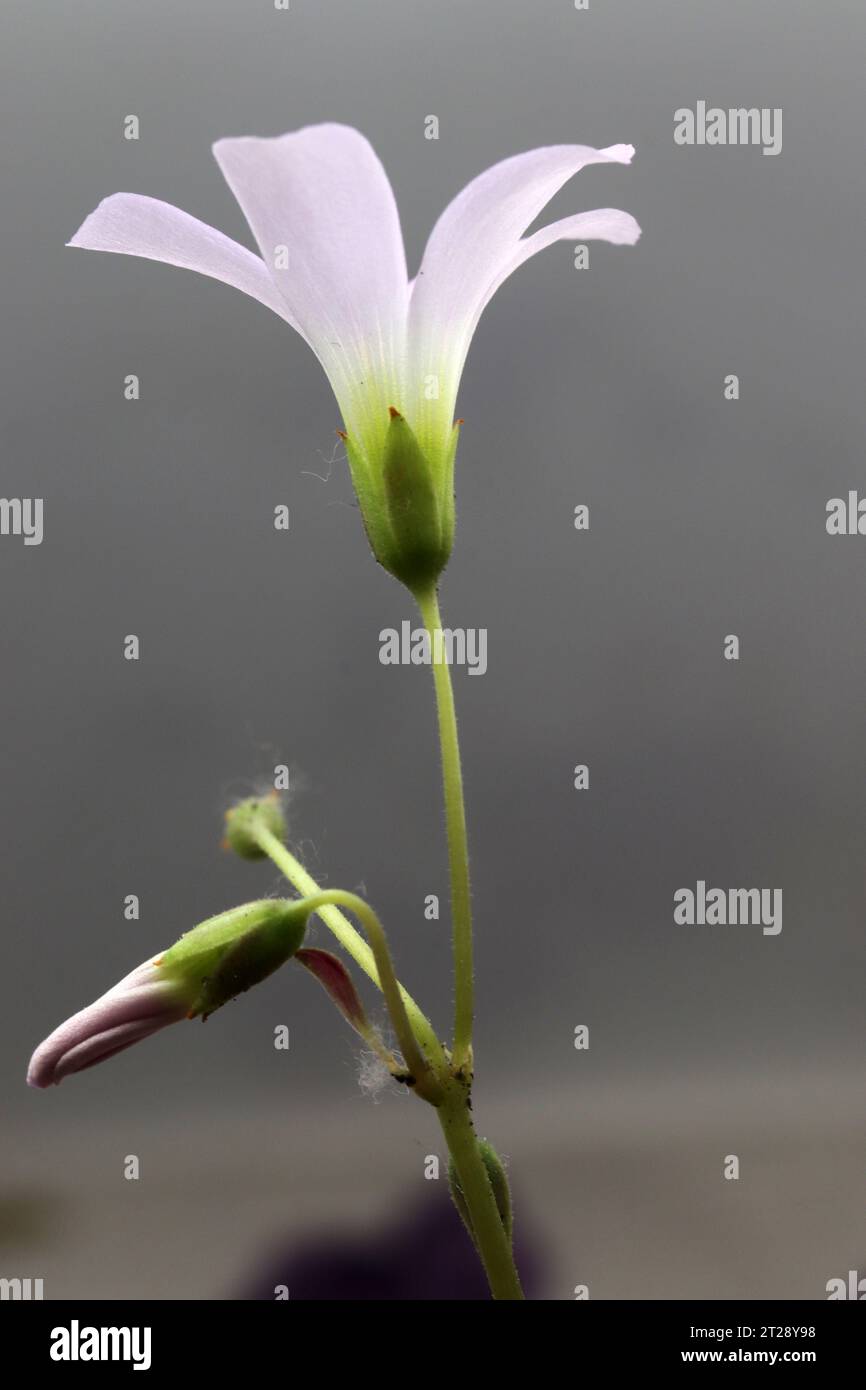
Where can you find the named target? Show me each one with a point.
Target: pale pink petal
(133, 225)
(602, 224)
(138, 1005)
(479, 241)
(104, 1045)
(320, 198)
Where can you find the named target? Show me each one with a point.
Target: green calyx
(229, 953)
(407, 501)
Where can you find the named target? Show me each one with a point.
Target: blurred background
(707, 517)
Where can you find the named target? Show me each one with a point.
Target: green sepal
(419, 548)
(405, 489)
(229, 953)
(446, 491)
(371, 499)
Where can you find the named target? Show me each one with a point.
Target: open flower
(216, 961)
(333, 265)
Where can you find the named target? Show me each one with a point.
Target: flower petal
(104, 1045)
(474, 247)
(134, 225)
(319, 199)
(138, 1005)
(602, 224)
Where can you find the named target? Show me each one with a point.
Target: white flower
(333, 265)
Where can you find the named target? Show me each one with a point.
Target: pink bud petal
(140, 1004)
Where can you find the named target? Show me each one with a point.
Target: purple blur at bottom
(426, 1255)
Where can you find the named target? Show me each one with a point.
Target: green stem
(491, 1239)
(351, 941)
(423, 1078)
(455, 825)
(451, 1103)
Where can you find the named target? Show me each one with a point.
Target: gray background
(707, 518)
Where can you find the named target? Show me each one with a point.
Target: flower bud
(263, 812)
(203, 970)
(498, 1181)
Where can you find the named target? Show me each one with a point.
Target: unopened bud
(498, 1181)
(211, 964)
(246, 817)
